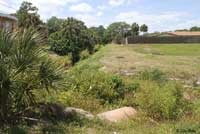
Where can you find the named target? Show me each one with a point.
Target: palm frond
(23, 69)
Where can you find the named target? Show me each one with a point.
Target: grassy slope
(178, 60)
(174, 59)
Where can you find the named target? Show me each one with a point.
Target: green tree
(117, 31)
(72, 38)
(23, 70)
(195, 28)
(144, 28)
(99, 34)
(28, 16)
(54, 24)
(181, 30)
(135, 29)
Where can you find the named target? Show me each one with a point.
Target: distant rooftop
(8, 16)
(184, 33)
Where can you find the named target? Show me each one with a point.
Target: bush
(84, 54)
(76, 99)
(107, 88)
(160, 102)
(153, 75)
(57, 44)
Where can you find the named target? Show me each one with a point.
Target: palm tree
(23, 69)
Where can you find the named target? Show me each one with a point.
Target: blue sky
(159, 15)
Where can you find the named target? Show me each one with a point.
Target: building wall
(7, 24)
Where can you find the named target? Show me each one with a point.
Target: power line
(8, 6)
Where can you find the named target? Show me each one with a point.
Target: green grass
(141, 125)
(172, 49)
(180, 61)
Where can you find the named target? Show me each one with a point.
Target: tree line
(192, 29)
(71, 36)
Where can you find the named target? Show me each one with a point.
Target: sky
(159, 15)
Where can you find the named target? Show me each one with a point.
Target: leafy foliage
(144, 28)
(99, 33)
(195, 28)
(27, 16)
(117, 32)
(54, 24)
(72, 38)
(23, 69)
(135, 29)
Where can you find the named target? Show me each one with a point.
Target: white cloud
(102, 7)
(51, 2)
(90, 20)
(99, 13)
(3, 2)
(83, 7)
(5, 7)
(115, 3)
(47, 8)
(165, 21)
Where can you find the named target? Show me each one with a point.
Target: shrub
(84, 54)
(76, 99)
(57, 43)
(103, 86)
(160, 102)
(153, 75)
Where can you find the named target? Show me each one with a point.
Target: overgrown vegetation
(23, 70)
(107, 88)
(159, 81)
(161, 102)
(151, 91)
(73, 38)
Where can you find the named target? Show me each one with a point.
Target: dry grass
(131, 59)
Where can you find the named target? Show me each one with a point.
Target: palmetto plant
(23, 69)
